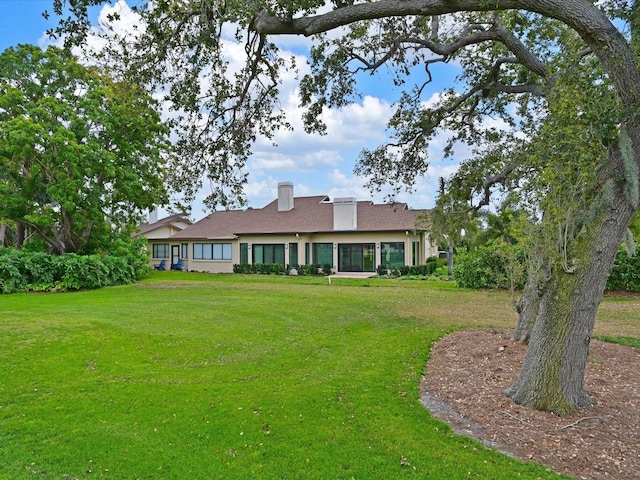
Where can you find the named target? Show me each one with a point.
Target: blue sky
(316, 165)
(21, 21)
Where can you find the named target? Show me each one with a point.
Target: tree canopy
(81, 155)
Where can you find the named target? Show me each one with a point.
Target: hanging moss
(630, 168)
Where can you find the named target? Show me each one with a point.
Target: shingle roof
(309, 215)
(174, 220)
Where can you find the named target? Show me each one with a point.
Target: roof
(309, 215)
(177, 221)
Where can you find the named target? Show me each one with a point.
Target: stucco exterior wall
(426, 248)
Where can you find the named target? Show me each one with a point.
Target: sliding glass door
(356, 257)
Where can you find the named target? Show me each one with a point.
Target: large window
(185, 250)
(392, 254)
(212, 251)
(160, 250)
(322, 253)
(267, 253)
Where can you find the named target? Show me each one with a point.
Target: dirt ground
(463, 384)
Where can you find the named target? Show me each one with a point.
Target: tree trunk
(527, 308)
(450, 260)
(552, 375)
(529, 303)
(20, 234)
(3, 230)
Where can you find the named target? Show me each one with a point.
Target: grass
(194, 376)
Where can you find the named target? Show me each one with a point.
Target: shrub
(22, 270)
(625, 274)
(239, 267)
(426, 269)
(492, 265)
(382, 270)
(136, 254)
(11, 278)
(119, 270)
(495, 265)
(261, 268)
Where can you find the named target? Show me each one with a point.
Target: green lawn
(193, 376)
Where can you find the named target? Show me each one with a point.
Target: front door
(175, 254)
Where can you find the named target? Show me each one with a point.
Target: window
(160, 250)
(392, 254)
(293, 254)
(322, 253)
(415, 253)
(212, 251)
(267, 253)
(201, 251)
(185, 250)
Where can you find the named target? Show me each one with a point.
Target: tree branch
(491, 182)
(585, 18)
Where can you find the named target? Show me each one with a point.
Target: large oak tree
(81, 155)
(508, 52)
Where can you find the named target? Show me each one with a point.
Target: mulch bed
(463, 384)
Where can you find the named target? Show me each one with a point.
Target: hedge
(24, 271)
(493, 265)
(279, 269)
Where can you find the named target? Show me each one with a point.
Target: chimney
(285, 196)
(345, 213)
(153, 216)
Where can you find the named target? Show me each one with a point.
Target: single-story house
(349, 235)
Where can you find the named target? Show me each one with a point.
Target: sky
(316, 165)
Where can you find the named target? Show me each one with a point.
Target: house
(349, 235)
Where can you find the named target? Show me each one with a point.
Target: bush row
(500, 266)
(428, 268)
(279, 269)
(24, 271)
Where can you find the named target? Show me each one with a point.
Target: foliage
(495, 265)
(430, 267)
(492, 266)
(451, 221)
(23, 271)
(260, 268)
(81, 155)
(308, 269)
(279, 269)
(625, 274)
